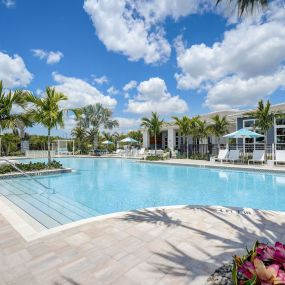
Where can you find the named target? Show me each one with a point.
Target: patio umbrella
(243, 133)
(107, 142)
(128, 140)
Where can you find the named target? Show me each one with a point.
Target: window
(280, 121)
(176, 139)
(280, 135)
(166, 142)
(248, 123)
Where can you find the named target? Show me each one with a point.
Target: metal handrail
(26, 174)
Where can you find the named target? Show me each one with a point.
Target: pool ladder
(47, 188)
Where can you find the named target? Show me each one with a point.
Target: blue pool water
(104, 186)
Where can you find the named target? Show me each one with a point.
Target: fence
(245, 149)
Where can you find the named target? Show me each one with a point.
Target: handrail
(26, 174)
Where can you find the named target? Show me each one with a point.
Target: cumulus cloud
(138, 31)
(13, 71)
(153, 96)
(112, 90)
(81, 93)
(130, 85)
(101, 80)
(234, 92)
(51, 57)
(127, 124)
(9, 3)
(251, 51)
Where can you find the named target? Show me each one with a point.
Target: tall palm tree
(264, 118)
(95, 117)
(245, 5)
(7, 102)
(79, 133)
(153, 125)
(199, 129)
(184, 125)
(47, 112)
(219, 127)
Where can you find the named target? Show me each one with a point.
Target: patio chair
(141, 152)
(223, 155)
(280, 156)
(258, 156)
(233, 156)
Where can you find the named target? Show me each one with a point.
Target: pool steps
(48, 209)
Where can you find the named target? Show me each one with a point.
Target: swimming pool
(102, 186)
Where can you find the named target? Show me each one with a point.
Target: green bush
(154, 158)
(31, 166)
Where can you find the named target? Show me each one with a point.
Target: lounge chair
(233, 156)
(141, 152)
(223, 155)
(280, 156)
(258, 156)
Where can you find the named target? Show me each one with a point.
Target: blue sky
(181, 57)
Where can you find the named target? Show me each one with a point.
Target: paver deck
(161, 246)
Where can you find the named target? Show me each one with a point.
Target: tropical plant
(136, 135)
(245, 5)
(199, 129)
(79, 133)
(262, 265)
(95, 117)
(7, 102)
(219, 127)
(153, 125)
(264, 118)
(47, 112)
(184, 125)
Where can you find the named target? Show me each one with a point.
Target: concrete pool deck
(173, 245)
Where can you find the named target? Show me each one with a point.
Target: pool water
(113, 185)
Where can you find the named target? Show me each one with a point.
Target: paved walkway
(160, 247)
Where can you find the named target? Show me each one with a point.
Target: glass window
(248, 123)
(280, 131)
(280, 139)
(249, 140)
(280, 121)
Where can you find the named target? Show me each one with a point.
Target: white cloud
(251, 51)
(130, 85)
(101, 80)
(127, 124)
(9, 3)
(81, 93)
(135, 28)
(13, 71)
(234, 92)
(153, 96)
(51, 57)
(112, 90)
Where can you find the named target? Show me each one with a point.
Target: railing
(27, 175)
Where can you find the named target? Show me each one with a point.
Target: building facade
(170, 137)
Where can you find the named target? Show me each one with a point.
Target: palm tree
(219, 127)
(153, 125)
(47, 112)
(245, 5)
(264, 118)
(96, 116)
(184, 125)
(199, 129)
(79, 133)
(7, 102)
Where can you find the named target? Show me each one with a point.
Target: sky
(175, 57)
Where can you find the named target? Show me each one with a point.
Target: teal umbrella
(107, 142)
(243, 133)
(128, 140)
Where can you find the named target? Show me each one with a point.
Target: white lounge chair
(280, 156)
(141, 152)
(233, 155)
(257, 156)
(223, 155)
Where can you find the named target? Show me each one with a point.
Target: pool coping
(31, 230)
(208, 165)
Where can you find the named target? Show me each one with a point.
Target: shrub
(31, 166)
(262, 265)
(154, 158)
